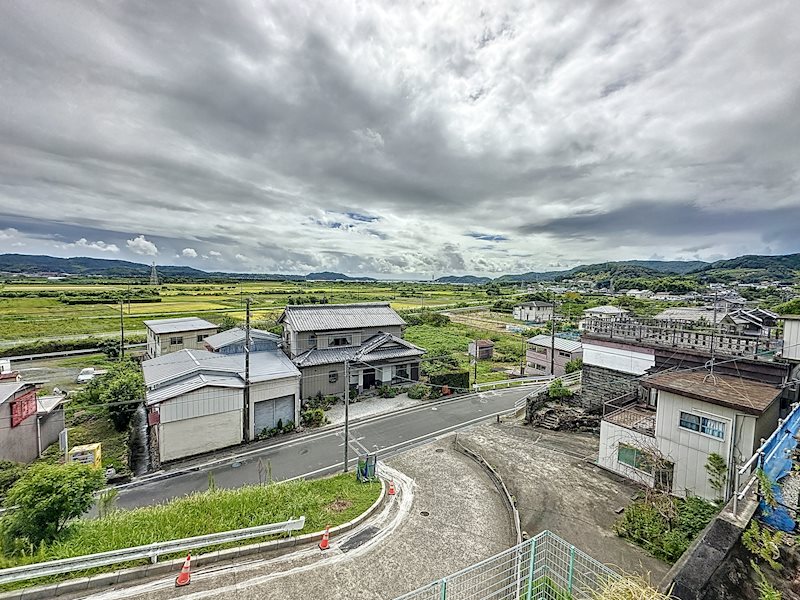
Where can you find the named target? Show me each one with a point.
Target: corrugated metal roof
(748, 396)
(47, 404)
(161, 326)
(537, 304)
(9, 389)
(560, 343)
(605, 310)
(236, 336)
(332, 317)
(181, 372)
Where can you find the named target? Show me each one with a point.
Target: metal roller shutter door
(267, 413)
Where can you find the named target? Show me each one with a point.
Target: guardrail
(507, 383)
(150, 551)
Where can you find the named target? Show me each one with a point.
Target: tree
(717, 474)
(227, 322)
(45, 499)
(576, 364)
(123, 389)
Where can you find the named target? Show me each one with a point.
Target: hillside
(464, 279)
(752, 268)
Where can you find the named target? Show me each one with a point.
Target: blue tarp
(777, 465)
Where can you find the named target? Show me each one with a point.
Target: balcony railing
(681, 335)
(631, 413)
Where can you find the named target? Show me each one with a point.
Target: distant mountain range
(37, 264)
(744, 268)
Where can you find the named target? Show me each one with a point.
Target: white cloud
(241, 258)
(189, 253)
(140, 245)
(99, 245)
(8, 234)
(214, 253)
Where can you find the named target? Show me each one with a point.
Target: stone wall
(601, 385)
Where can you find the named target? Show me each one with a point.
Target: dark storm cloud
(389, 138)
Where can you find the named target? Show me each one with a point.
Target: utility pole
(121, 329)
(346, 411)
(475, 358)
(553, 339)
(246, 407)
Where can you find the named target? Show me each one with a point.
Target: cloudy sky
(399, 139)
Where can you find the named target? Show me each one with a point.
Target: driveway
(557, 487)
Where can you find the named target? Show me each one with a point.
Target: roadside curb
(101, 580)
(164, 475)
(508, 499)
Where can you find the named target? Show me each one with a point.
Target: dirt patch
(338, 506)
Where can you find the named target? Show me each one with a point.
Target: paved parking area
(557, 488)
(448, 515)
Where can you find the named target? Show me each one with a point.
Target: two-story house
(538, 355)
(665, 439)
(534, 312)
(319, 338)
(172, 335)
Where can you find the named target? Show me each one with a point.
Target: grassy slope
(331, 501)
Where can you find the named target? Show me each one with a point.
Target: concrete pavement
(323, 452)
(447, 516)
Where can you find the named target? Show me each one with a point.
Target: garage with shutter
(267, 413)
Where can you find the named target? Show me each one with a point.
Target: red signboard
(23, 407)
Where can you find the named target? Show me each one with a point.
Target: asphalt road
(323, 453)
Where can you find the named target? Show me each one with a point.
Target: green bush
(576, 364)
(45, 498)
(457, 381)
(387, 391)
(10, 472)
(313, 417)
(645, 522)
(558, 390)
(418, 391)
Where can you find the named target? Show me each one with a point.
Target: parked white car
(87, 374)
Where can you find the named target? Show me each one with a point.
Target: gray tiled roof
(370, 351)
(605, 310)
(560, 343)
(331, 317)
(236, 336)
(177, 325)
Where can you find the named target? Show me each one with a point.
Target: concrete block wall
(601, 385)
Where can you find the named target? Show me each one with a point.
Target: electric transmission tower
(153, 274)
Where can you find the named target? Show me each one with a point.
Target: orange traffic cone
(324, 542)
(391, 487)
(185, 577)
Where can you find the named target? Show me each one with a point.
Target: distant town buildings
(534, 312)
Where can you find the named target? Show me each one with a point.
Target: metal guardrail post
(443, 589)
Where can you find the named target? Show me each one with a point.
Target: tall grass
(331, 501)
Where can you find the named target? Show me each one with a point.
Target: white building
(171, 335)
(791, 337)
(534, 312)
(195, 399)
(666, 440)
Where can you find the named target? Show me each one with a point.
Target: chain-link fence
(544, 567)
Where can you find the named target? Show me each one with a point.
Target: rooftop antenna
(153, 274)
(710, 374)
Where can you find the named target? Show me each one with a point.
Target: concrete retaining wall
(601, 385)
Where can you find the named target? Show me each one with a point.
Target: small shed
(483, 349)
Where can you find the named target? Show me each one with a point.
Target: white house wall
(611, 436)
(209, 400)
(199, 434)
(689, 450)
(791, 339)
(634, 362)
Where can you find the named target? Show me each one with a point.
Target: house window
(565, 354)
(711, 427)
(333, 376)
(312, 341)
(339, 341)
(201, 337)
(536, 366)
(540, 350)
(633, 457)
(175, 341)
